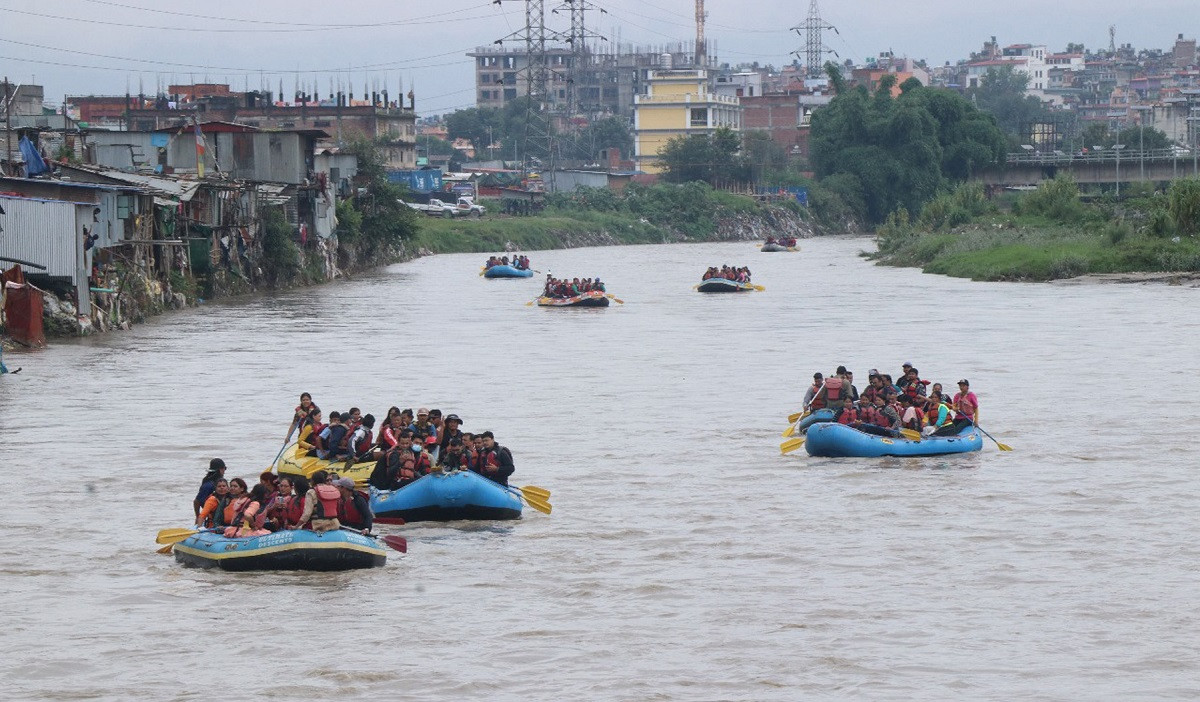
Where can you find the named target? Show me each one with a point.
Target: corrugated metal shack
(48, 233)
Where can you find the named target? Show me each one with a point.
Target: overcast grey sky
(97, 47)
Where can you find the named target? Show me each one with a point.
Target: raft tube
(719, 285)
(503, 271)
(769, 248)
(283, 550)
(594, 298)
(831, 439)
(445, 497)
(821, 415)
(295, 461)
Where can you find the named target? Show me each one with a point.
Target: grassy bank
(491, 233)
(1041, 236)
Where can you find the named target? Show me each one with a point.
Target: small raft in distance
(830, 439)
(445, 497)
(503, 271)
(297, 549)
(719, 285)
(594, 298)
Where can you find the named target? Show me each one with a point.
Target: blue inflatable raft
(283, 550)
(507, 272)
(717, 285)
(444, 497)
(838, 440)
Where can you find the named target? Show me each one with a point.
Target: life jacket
(337, 433)
(217, 518)
(364, 445)
(349, 512)
(833, 388)
(816, 403)
(293, 510)
(233, 510)
(848, 416)
(328, 498)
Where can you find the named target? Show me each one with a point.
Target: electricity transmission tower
(814, 47)
(539, 144)
(576, 38)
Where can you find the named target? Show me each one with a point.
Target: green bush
(1056, 200)
(280, 255)
(1183, 202)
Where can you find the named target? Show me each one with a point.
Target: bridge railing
(1105, 155)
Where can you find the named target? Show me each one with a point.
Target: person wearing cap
(495, 461)
(354, 510)
(811, 394)
(449, 432)
(208, 484)
(965, 402)
(422, 428)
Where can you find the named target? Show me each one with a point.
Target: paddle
(614, 298)
(535, 490)
(174, 536)
(791, 445)
(756, 287)
(789, 431)
(397, 542)
(910, 434)
(796, 416)
(286, 441)
(1002, 447)
(533, 499)
(165, 549)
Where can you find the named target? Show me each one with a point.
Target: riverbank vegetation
(1047, 234)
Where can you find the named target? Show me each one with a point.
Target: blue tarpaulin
(417, 181)
(34, 165)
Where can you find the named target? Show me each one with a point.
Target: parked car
(435, 208)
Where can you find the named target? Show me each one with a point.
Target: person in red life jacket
(902, 380)
(913, 385)
(362, 440)
(470, 454)
(849, 415)
(354, 510)
(835, 391)
(310, 435)
(276, 509)
(321, 504)
(874, 386)
(389, 436)
(911, 416)
(270, 484)
(212, 514)
(400, 466)
(301, 413)
(811, 402)
(294, 509)
(495, 461)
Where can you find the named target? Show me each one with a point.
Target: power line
(239, 71)
(245, 31)
(268, 22)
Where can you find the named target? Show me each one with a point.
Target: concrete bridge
(1104, 166)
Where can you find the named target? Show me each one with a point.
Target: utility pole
(814, 47)
(7, 129)
(539, 141)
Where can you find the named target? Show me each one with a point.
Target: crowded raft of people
(736, 274)
(726, 279)
(908, 409)
(576, 292)
(519, 262)
(779, 244)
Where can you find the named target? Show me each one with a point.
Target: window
(510, 61)
(510, 93)
(699, 117)
(510, 78)
(485, 78)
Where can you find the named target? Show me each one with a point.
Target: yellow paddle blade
(789, 431)
(540, 505)
(535, 490)
(166, 549)
(791, 445)
(1004, 447)
(530, 303)
(912, 434)
(758, 287)
(172, 536)
(797, 416)
(615, 299)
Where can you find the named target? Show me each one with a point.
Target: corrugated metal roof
(42, 232)
(183, 190)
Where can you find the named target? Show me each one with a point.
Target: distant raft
(503, 271)
(445, 497)
(830, 439)
(595, 298)
(720, 285)
(769, 248)
(283, 550)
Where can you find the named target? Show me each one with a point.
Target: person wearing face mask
(402, 465)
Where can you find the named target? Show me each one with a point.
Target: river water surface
(686, 559)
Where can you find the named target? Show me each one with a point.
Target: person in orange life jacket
(354, 510)
(216, 471)
(330, 444)
(810, 395)
(915, 386)
(321, 504)
(470, 456)
(251, 517)
(849, 415)
(398, 466)
(238, 499)
(212, 514)
(449, 431)
(835, 391)
(495, 461)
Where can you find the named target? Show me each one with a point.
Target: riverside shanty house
(64, 234)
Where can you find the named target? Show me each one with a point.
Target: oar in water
(1002, 447)
(796, 416)
(614, 298)
(791, 445)
(757, 287)
(789, 431)
(533, 499)
(535, 490)
(397, 542)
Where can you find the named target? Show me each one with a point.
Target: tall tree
(1002, 93)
